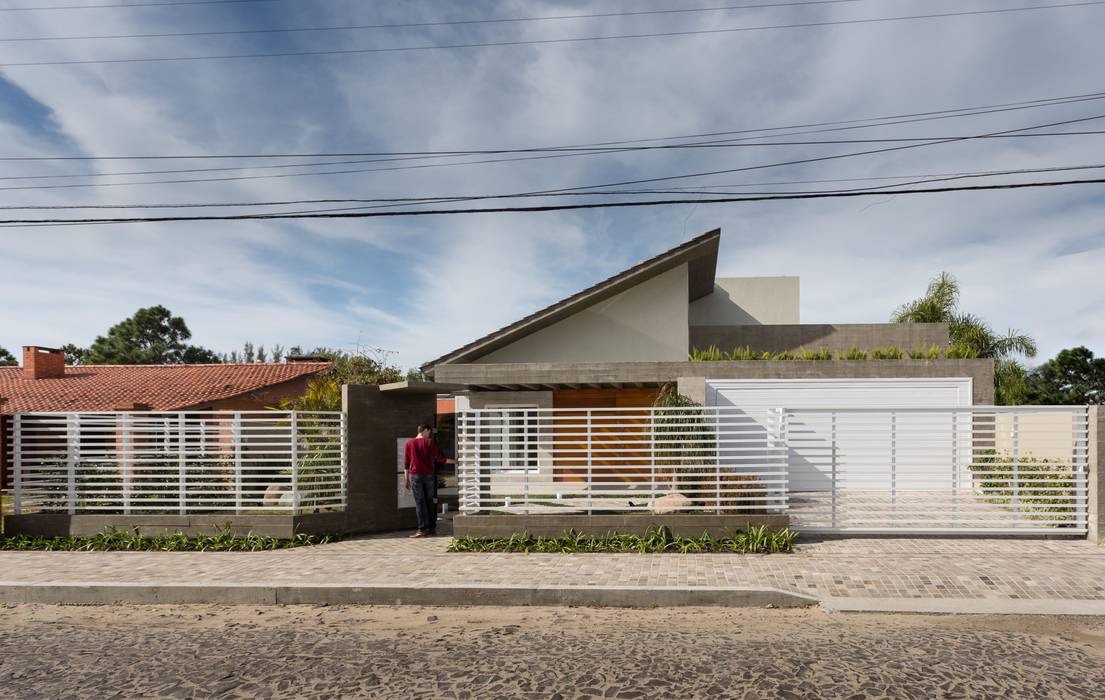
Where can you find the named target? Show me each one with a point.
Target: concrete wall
(647, 322)
(376, 421)
(282, 526)
(981, 371)
(747, 300)
(813, 336)
(555, 525)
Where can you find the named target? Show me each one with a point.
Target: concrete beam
(573, 375)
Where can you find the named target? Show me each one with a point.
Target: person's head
(425, 430)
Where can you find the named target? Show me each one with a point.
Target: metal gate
(986, 469)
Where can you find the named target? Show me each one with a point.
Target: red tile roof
(162, 387)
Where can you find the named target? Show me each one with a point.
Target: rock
(671, 503)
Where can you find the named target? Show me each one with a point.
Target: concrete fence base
(282, 526)
(549, 525)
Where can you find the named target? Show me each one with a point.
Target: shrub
(1046, 485)
(744, 353)
(128, 540)
(854, 354)
(887, 353)
(657, 539)
(819, 354)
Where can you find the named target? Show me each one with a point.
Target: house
(557, 413)
(617, 342)
(46, 384)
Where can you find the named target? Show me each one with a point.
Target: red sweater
(420, 454)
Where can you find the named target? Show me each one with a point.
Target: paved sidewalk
(922, 575)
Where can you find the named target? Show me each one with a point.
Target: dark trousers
(423, 488)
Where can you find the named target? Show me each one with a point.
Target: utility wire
(541, 208)
(567, 40)
(616, 184)
(804, 161)
(412, 25)
(698, 189)
(574, 152)
(120, 4)
(855, 124)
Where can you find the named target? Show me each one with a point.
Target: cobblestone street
(317, 652)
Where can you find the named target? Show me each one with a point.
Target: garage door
(756, 400)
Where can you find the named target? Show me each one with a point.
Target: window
(513, 438)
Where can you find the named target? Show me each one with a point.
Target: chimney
(43, 363)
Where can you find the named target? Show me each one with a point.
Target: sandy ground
(297, 651)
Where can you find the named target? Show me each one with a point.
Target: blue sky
(1029, 259)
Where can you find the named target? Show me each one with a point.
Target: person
(419, 458)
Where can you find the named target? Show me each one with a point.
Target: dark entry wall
(377, 419)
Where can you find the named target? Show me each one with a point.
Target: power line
(920, 179)
(570, 151)
(846, 124)
(412, 25)
(586, 187)
(804, 161)
(541, 208)
(136, 4)
(568, 40)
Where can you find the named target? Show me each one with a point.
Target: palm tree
(971, 336)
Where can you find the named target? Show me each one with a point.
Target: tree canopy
(363, 367)
(970, 336)
(6, 358)
(1074, 376)
(152, 336)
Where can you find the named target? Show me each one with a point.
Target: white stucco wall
(646, 323)
(748, 300)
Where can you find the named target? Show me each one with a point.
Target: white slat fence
(182, 462)
(986, 469)
(696, 459)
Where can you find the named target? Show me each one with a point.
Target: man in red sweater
(419, 458)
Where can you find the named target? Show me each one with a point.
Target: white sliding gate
(1014, 469)
(985, 469)
(184, 462)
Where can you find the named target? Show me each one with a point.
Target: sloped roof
(699, 253)
(162, 387)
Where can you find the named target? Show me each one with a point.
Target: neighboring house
(617, 342)
(45, 384)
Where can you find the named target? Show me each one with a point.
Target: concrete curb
(601, 596)
(965, 606)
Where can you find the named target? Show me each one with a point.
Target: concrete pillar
(693, 388)
(377, 420)
(1096, 482)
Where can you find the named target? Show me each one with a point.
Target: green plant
(754, 539)
(887, 353)
(819, 354)
(1043, 486)
(854, 354)
(710, 354)
(744, 353)
(111, 540)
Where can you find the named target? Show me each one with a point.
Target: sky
(1030, 259)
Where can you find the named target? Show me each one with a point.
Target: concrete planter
(545, 525)
(282, 526)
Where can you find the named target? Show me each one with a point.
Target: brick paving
(868, 568)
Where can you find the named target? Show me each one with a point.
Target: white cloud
(426, 285)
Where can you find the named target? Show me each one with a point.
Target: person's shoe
(417, 535)
(432, 533)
